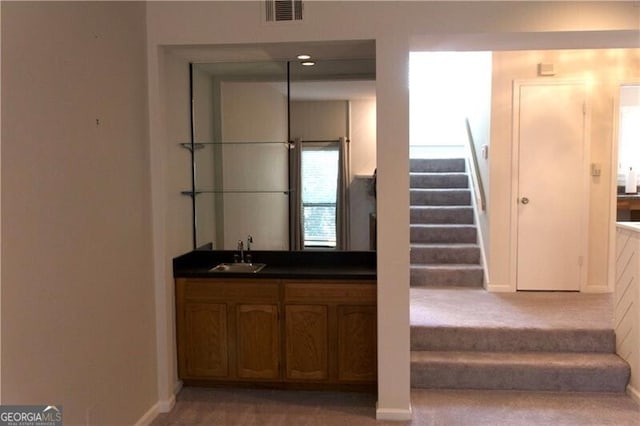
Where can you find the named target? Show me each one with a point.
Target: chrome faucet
(249, 241)
(241, 249)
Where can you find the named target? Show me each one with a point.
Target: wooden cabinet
(357, 332)
(285, 333)
(258, 341)
(228, 330)
(331, 331)
(306, 355)
(206, 352)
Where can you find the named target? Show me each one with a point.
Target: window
(319, 192)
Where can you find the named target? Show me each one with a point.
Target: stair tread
(445, 245)
(444, 266)
(545, 359)
(443, 207)
(440, 189)
(442, 225)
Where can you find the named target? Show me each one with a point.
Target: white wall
(319, 120)
(397, 28)
(603, 83)
(78, 323)
(627, 300)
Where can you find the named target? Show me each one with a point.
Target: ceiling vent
(283, 10)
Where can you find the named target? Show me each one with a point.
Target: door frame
(515, 168)
(613, 181)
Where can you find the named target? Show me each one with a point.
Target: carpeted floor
(479, 308)
(222, 407)
(445, 308)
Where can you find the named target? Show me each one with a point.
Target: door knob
(524, 200)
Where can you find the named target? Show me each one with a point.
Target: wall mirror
(284, 152)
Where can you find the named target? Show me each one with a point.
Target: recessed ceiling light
(304, 57)
(307, 63)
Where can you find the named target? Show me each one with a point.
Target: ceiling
(344, 70)
(348, 49)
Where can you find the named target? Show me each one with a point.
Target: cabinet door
(357, 359)
(206, 350)
(258, 341)
(306, 342)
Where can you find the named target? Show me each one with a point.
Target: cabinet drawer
(230, 290)
(330, 292)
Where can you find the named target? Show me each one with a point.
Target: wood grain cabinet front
(306, 342)
(228, 330)
(258, 341)
(357, 330)
(330, 332)
(283, 333)
(206, 352)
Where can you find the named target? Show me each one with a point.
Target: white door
(551, 186)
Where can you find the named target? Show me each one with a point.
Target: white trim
(149, 416)
(596, 288)
(499, 288)
(157, 159)
(474, 186)
(159, 407)
(0, 215)
(393, 414)
(633, 393)
(166, 405)
(515, 166)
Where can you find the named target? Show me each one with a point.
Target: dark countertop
(351, 265)
(624, 196)
(628, 196)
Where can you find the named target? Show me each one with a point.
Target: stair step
(452, 275)
(437, 165)
(443, 233)
(439, 180)
(440, 197)
(445, 253)
(441, 215)
(540, 371)
(502, 339)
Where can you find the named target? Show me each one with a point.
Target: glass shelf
(191, 193)
(200, 145)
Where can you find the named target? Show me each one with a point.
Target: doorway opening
(449, 130)
(443, 94)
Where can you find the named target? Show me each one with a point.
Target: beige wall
(93, 54)
(78, 323)
(603, 70)
(396, 27)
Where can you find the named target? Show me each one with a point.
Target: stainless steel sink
(251, 268)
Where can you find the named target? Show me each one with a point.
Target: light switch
(485, 151)
(596, 169)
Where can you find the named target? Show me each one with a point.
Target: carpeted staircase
(516, 359)
(445, 256)
(444, 249)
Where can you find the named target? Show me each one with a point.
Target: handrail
(475, 174)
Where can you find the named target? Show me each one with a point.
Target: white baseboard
(596, 289)
(500, 288)
(162, 406)
(393, 414)
(633, 393)
(149, 416)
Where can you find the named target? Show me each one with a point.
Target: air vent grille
(283, 10)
